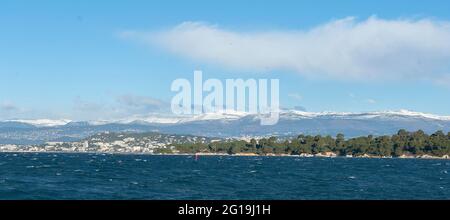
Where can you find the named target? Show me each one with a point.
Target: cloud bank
(344, 49)
(118, 107)
(7, 106)
(142, 103)
(295, 96)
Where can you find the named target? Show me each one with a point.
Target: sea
(61, 176)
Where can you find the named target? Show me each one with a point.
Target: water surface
(104, 176)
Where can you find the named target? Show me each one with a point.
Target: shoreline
(423, 157)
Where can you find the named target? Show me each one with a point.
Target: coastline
(423, 157)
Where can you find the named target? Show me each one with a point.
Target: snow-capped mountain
(235, 115)
(326, 123)
(292, 115)
(42, 122)
(228, 124)
(175, 119)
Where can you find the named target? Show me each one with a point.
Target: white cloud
(10, 110)
(371, 101)
(118, 107)
(81, 105)
(444, 81)
(296, 96)
(143, 103)
(344, 49)
(7, 106)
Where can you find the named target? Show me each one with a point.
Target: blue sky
(70, 59)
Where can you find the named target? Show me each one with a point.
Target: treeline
(403, 143)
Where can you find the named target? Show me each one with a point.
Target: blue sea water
(105, 176)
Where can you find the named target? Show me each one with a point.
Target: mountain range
(227, 124)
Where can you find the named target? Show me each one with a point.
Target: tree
(404, 142)
(272, 141)
(253, 142)
(235, 148)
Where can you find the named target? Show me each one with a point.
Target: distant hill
(231, 125)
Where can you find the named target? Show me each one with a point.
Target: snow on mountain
(236, 115)
(174, 119)
(222, 115)
(227, 124)
(43, 122)
(285, 114)
(293, 114)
